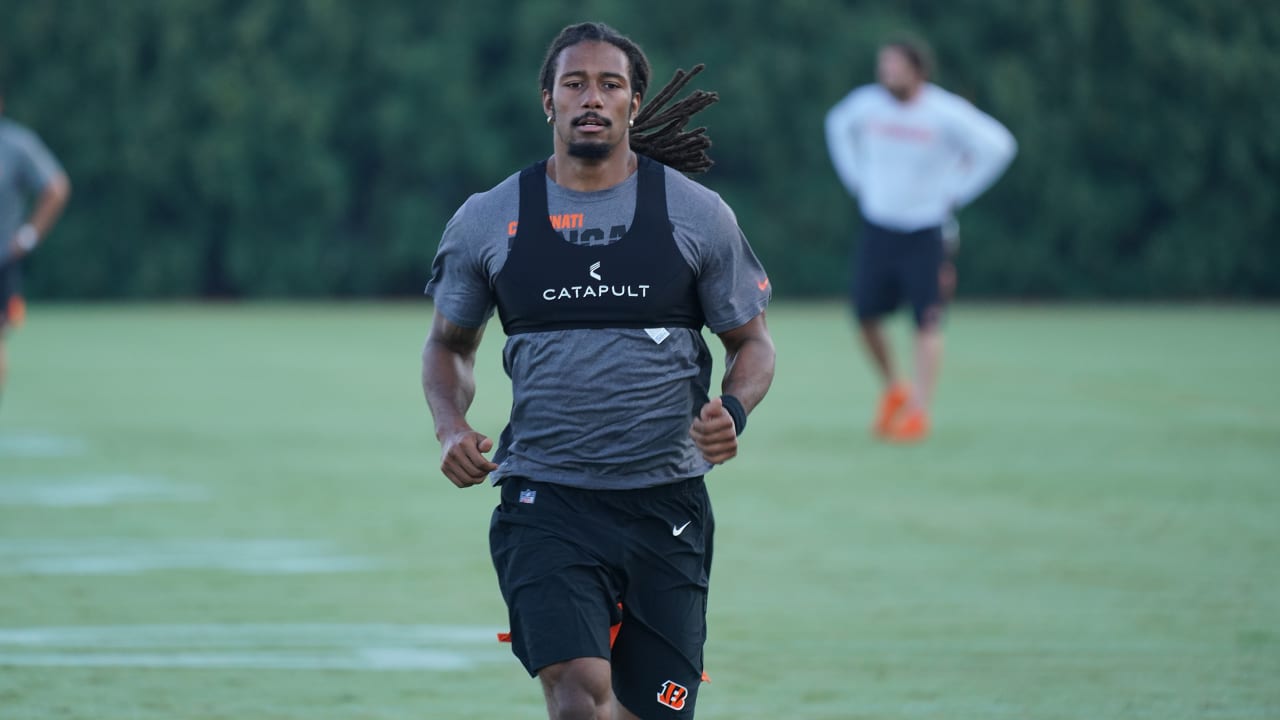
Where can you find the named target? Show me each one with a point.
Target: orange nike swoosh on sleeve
(763, 284)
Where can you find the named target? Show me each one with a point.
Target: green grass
(1093, 531)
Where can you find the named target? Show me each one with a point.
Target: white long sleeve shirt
(910, 165)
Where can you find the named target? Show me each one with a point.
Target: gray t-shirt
(26, 168)
(602, 408)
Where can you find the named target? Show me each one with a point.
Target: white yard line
(117, 556)
(93, 490)
(374, 647)
(39, 445)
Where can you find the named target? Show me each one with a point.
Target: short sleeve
(37, 166)
(732, 284)
(459, 281)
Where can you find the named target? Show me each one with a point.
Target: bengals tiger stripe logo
(673, 695)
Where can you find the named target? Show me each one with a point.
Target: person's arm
(48, 207)
(988, 149)
(842, 127)
(749, 366)
(449, 384)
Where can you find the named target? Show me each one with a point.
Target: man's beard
(590, 150)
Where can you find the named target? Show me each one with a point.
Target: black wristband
(736, 411)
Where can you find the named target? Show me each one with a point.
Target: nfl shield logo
(527, 496)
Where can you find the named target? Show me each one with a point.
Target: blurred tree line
(265, 148)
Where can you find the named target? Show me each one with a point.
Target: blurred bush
(265, 148)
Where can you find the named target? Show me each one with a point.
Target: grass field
(234, 512)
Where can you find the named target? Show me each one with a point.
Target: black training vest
(638, 281)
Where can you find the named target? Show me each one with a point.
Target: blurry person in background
(33, 191)
(911, 154)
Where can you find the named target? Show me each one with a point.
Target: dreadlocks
(658, 133)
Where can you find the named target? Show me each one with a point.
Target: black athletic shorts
(571, 563)
(891, 266)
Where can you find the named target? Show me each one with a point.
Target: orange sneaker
(909, 428)
(891, 403)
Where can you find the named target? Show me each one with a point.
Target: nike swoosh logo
(763, 284)
(677, 530)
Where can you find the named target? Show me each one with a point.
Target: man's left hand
(714, 434)
(13, 250)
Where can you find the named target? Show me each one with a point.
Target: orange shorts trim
(15, 313)
(505, 637)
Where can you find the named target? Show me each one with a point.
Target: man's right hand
(462, 458)
(947, 280)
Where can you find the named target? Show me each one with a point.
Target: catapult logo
(582, 292)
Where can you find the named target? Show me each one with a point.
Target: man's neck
(582, 175)
(909, 95)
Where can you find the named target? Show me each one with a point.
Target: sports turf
(1093, 531)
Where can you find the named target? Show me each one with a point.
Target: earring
(631, 122)
(550, 119)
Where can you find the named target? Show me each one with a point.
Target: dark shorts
(11, 306)
(566, 559)
(890, 267)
